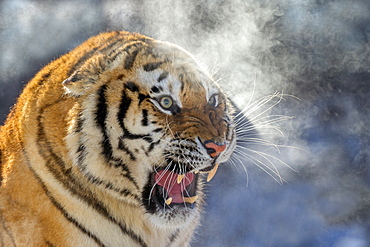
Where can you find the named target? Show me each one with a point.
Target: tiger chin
(111, 145)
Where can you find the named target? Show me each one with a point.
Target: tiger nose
(214, 149)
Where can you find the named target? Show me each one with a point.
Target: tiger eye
(166, 102)
(213, 100)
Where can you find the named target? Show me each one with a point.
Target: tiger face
(148, 124)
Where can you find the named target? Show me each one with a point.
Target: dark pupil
(212, 101)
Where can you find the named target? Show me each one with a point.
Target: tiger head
(148, 124)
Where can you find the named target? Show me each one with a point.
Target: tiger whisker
(242, 154)
(261, 142)
(260, 164)
(168, 180)
(212, 72)
(160, 165)
(248, 124)
(261, 103)
(265, 155)
(250, 108)
(190, 162)
(234, 160)
(168, 127)
(160, 177)
(264, 142)
(247, 110)
(258, 122)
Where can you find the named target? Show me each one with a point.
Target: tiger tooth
(212, 173)
(180, 177)
(190, 199)
(169, 201)
(196, 172)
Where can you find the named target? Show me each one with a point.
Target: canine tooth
(190, 199)
(180, 177)
(196, 172)
(212, 173)
(169, 201)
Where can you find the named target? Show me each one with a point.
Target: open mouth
(167, 189)
(172, 188)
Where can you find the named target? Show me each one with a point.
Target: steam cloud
(315, 50)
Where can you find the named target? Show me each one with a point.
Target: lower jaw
(177, 217)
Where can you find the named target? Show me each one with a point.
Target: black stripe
(121, 115)
(144, 121)
(60, 207)
(100, 118)
(122, 146)
(110, 218)
(81, 154)
(125, 104)
(67, 216)
(102, 48)
(152, 66)
(51, 158)
(182, 85)
(109, 185)
(131, 136)
(147, 196)
(154, 89)
(132, 49)
(78, 126)
(73, 185)
(142, 97)
(48, 243)
(134, 236)
(152, 145)
(128, 175)
(123, 192)
(132, 86)
(121, 40)
(182, 78)
(82, 60)
(44, 77)
(162, 76)
(130, 59)
(173, 237)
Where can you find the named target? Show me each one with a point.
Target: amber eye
(166, 102)
(213, 100)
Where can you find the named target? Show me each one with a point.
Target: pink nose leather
(217, 149)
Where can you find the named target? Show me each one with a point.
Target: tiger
(112, 144)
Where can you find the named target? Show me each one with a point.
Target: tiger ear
(87, 75)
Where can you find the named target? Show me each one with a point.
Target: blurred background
(304, 180)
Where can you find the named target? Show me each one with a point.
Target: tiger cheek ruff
(111, 145)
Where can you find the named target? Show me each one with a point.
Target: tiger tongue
(174, 187)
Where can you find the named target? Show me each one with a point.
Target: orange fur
(66, 185)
